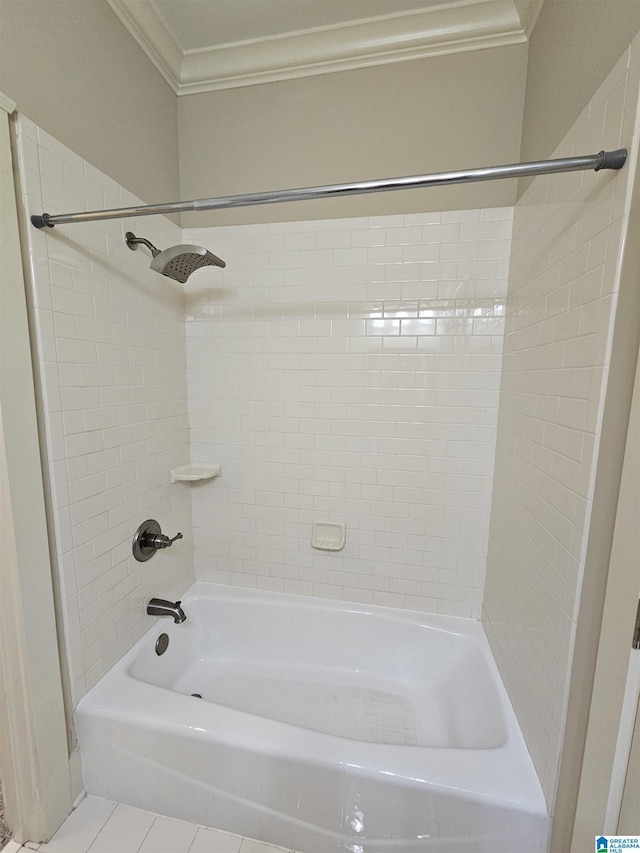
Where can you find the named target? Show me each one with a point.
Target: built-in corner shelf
(195, 471)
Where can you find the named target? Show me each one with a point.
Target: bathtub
(322, 727)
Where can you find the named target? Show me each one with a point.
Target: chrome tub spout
(161, 607)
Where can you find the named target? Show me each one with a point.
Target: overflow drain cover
(197, 695)
(161, 644)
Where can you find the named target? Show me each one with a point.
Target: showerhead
(176, 262)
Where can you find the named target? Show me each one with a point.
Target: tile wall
(349, 370)
(110, 340)
(344, 370)
(567, 238)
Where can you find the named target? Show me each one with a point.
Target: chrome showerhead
(176, 262)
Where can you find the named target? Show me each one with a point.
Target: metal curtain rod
(602, 160)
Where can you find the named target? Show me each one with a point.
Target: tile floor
(100, 826)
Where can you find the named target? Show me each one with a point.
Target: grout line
(153, 823)
(104, 822)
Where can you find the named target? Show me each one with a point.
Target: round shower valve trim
(149, 538)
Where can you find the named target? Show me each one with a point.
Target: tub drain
(197, 695)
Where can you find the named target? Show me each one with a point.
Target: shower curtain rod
(602, 160)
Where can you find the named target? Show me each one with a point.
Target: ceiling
(204, 45)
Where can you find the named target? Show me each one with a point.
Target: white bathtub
(322, 727)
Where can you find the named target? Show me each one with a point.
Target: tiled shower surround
(349, 370)
(341, 369)
(111, 345)
(563, 290)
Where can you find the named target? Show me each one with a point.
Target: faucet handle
(149, 538)
(159, 540)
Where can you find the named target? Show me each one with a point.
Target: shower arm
(602, 160)
(132, 241)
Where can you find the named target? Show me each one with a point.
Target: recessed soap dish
(195, 471)
(328, 535)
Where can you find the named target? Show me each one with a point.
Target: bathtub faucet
(161, 607)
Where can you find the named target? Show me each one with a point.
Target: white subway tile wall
(349, 370)
(561, 304)
(110, 339)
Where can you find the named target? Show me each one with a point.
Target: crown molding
(529, 11)
(466, 25)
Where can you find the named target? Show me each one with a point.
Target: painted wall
(445, 112)
(110, 344)
(348, 370)
(73, 68)
(562, 303)
(572, 48)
